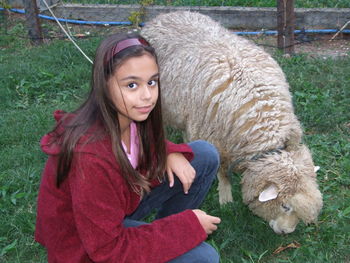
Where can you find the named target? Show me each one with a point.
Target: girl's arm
(101, 199)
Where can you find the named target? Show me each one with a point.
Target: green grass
(37, 80)
(255, 3)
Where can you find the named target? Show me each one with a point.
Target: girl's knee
(208, 254)
(203, 253)
(206, 153)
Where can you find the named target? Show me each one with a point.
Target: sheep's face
(281, 216)
(282, 189)
(286, 220)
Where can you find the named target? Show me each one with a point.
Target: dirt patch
(313, 45)
(326, 48)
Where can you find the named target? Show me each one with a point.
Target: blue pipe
(21, 11)
(268, 32)
(274, 32)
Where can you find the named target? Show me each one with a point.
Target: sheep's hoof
(225, 199)
(225, 195)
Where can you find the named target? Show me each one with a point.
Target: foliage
(136, 17)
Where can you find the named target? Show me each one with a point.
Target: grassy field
(36, 80)
(256, 3)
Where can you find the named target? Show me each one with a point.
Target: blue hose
(268, 32)
(72, 21)
(274, 32)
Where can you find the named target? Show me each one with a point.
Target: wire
(103, 35)
(344, 26)
(243, 33)
(69, 37)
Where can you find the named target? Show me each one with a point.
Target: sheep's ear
(268, 194)
(316, 168)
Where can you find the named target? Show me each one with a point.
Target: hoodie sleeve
(183, 148)
(101, 199)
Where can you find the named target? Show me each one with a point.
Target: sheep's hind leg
(224, 187)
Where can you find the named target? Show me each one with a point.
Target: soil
(313, 45)
(328, 48)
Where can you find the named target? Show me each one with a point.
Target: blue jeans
(168, 201)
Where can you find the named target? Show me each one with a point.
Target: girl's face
(134, 88)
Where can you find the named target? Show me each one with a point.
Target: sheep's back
(219, 86)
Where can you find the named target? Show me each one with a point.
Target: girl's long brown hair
(99, 108)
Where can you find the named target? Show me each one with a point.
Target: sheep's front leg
(224, 188)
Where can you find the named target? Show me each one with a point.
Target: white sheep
(220, 87)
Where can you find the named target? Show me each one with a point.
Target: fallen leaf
(80, 35)
(294, 244)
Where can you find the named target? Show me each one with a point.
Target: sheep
(222, 88)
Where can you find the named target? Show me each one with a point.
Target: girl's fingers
(185, 184)
(190, 175)
(186, 188)
(215, 220)
(193, 172)
(170, 177)
(212, 229)
(189, 180)
(186, 177)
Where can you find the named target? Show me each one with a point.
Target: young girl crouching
(109, 166)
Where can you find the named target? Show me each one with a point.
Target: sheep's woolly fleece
(222, 88)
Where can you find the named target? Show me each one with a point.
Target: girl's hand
(208, 222)
(179, 165)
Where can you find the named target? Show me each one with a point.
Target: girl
(106, 166)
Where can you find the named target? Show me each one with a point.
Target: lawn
(36, 80)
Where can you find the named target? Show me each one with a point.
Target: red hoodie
(82, 220)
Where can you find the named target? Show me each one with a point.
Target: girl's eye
(152, 83)
(132, 85)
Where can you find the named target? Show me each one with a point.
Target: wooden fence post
(285, 26)
(33, 22)
(3, 21)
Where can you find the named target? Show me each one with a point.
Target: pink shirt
(134, 146)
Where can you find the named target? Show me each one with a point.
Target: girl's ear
(268, 194)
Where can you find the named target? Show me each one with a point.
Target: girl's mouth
(144, 109)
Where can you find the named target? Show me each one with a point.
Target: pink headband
(121, 45)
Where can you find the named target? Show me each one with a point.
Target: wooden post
(3, 21)
(32, 21)
(285, 26)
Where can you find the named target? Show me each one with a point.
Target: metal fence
(243, 3)
(255, 3)
(265, 3)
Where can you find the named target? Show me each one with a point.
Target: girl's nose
(146, 93)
